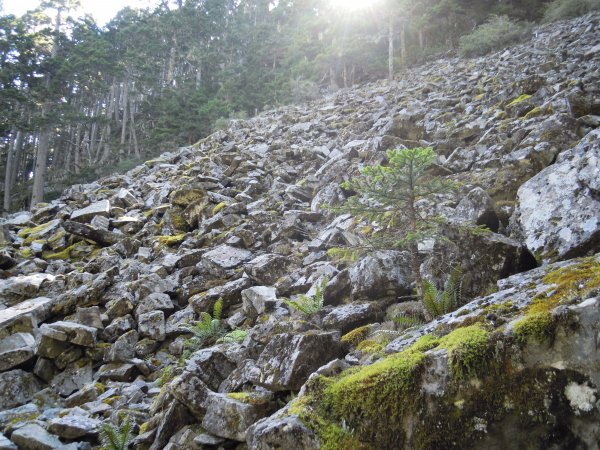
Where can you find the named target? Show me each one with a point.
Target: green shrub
(497, 32)
(562, 9)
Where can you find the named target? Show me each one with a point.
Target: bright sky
(101, 10)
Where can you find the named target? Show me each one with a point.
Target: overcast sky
(101, 10)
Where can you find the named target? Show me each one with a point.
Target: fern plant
(208, 330)
(117, 437)
(309, 304)
(442, 302)
(233, 336)
(408, 321)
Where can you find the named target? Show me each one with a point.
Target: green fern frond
(113, 437)
(309, 305)
(233, 336)
(438, 303)
(218, 309)
(405, 322)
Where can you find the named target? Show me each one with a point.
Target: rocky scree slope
(97, 287)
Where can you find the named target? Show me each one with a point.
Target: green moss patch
(357, 335)
(519, 99)
(171, 240)
(567, 285)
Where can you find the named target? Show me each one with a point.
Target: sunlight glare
(352, 5)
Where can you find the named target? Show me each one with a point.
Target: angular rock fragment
(15, 350)
(230, 415)
(17, 387)
(288, 360)
(33, 437)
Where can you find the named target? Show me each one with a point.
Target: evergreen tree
(388, 196)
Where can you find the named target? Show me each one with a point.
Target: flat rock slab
(346, 318)
(34, 437)
(71, 332)
(16, 289)
(101, 208)
(31, 312)
(117, 372)
(15, 350)
(74, 427)
(227, 257)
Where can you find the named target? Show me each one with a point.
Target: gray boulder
(289, 359)
(384, 273)
(556, 215)
(15, 350)
(346, 318)
(152, 325)
(258, 299)
(74, 427)
(230, 415)
(267, 269)
(86, 214)
(33, 437)
(17, 387)
(281, 431)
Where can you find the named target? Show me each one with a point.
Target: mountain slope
(101, 285)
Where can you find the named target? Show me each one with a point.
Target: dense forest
(78, 101)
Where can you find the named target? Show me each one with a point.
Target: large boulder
(384, 273)
(556, 216)
(15, 350)
(289, 359)
(281, 431)
(17, 387)
(230, 415)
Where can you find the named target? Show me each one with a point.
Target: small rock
(34, 437)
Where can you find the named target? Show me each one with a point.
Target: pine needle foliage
(438, 302)
(117, 437)
(310, 304)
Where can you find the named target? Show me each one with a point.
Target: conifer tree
(388, 196)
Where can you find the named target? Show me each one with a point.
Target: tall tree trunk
(41, 166)
(11, 166)
(133, 135)
(125, 112)
(403, 43)
(18, 159)
(172, 61)
(391, 48)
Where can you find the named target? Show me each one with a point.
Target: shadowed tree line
(78, 101)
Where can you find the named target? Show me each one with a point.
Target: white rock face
(558, 210)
